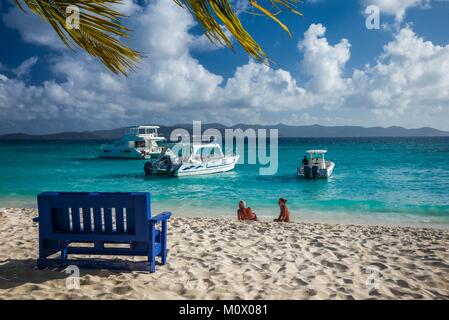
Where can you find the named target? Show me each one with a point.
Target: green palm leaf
(209, 13)
(100, 28)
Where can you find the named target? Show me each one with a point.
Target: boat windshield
(182, 151)
(208, 153)
(315, 155)
(142, 130)
(188, 151)
(316, 158)
(139, 144)
(147, 131)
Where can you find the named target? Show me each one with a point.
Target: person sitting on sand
(245, 213)
(284, 216)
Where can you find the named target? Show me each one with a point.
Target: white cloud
(324, 62)
(397, 8)
(407, 85)
(240, 5)
(31, 28)
(169, 73)
(127, 7)
(25, 67)
(259, 88)
(167, 78)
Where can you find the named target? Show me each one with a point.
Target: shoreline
(381, 219)
(213, 258)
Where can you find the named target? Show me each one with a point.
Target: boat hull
(316, 173)
(195, 169)
(203, 169)
(121, 156)
(125, 154)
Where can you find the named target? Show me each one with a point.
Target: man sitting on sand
(284, 216)
(245, 213)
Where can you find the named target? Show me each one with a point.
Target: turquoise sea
(401, 181)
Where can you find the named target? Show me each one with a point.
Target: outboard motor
(148, 168)
(315, 173)
(307, 172)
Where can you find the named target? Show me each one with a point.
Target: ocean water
(398, 181)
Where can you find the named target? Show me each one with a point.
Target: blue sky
(332, 71)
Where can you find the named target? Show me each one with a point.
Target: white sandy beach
(225, 259)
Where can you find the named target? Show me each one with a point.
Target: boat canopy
(317, 151)
(147, 127)
(191, 150)
(143, 130)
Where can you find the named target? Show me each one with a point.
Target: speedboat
(190, 160)
(316, 166)
(138, 143)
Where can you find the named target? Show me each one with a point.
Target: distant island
(285, 131)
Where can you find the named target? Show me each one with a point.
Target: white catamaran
(138, 143)
(191, 159)
(315, 166)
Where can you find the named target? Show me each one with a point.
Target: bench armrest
(161, 216)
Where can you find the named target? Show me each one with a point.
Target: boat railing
(106, 146)
(151, 135)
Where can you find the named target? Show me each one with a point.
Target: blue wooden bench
(110, 223)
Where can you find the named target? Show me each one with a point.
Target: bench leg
(50, 247)
(152, 260)
(41, 261)
(151, 253)
(64, 253)
(164, 242)
(64, 245)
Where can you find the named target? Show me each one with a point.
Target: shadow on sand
(14, 273)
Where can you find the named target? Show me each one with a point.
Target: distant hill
(285, 131)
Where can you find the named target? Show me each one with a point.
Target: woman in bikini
(245, 213)
(284, 216)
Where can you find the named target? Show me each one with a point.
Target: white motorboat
(315, 166)
(138, 143)
(190, 160)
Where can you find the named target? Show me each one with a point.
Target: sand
(225, 259)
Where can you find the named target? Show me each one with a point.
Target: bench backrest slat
(119, 220)
(87, 220)
(107, 214)
(130, 223)
(98, 224)
(96, 213)
(76, 221)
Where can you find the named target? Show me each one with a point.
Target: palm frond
(209, 13)
(98, 30)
